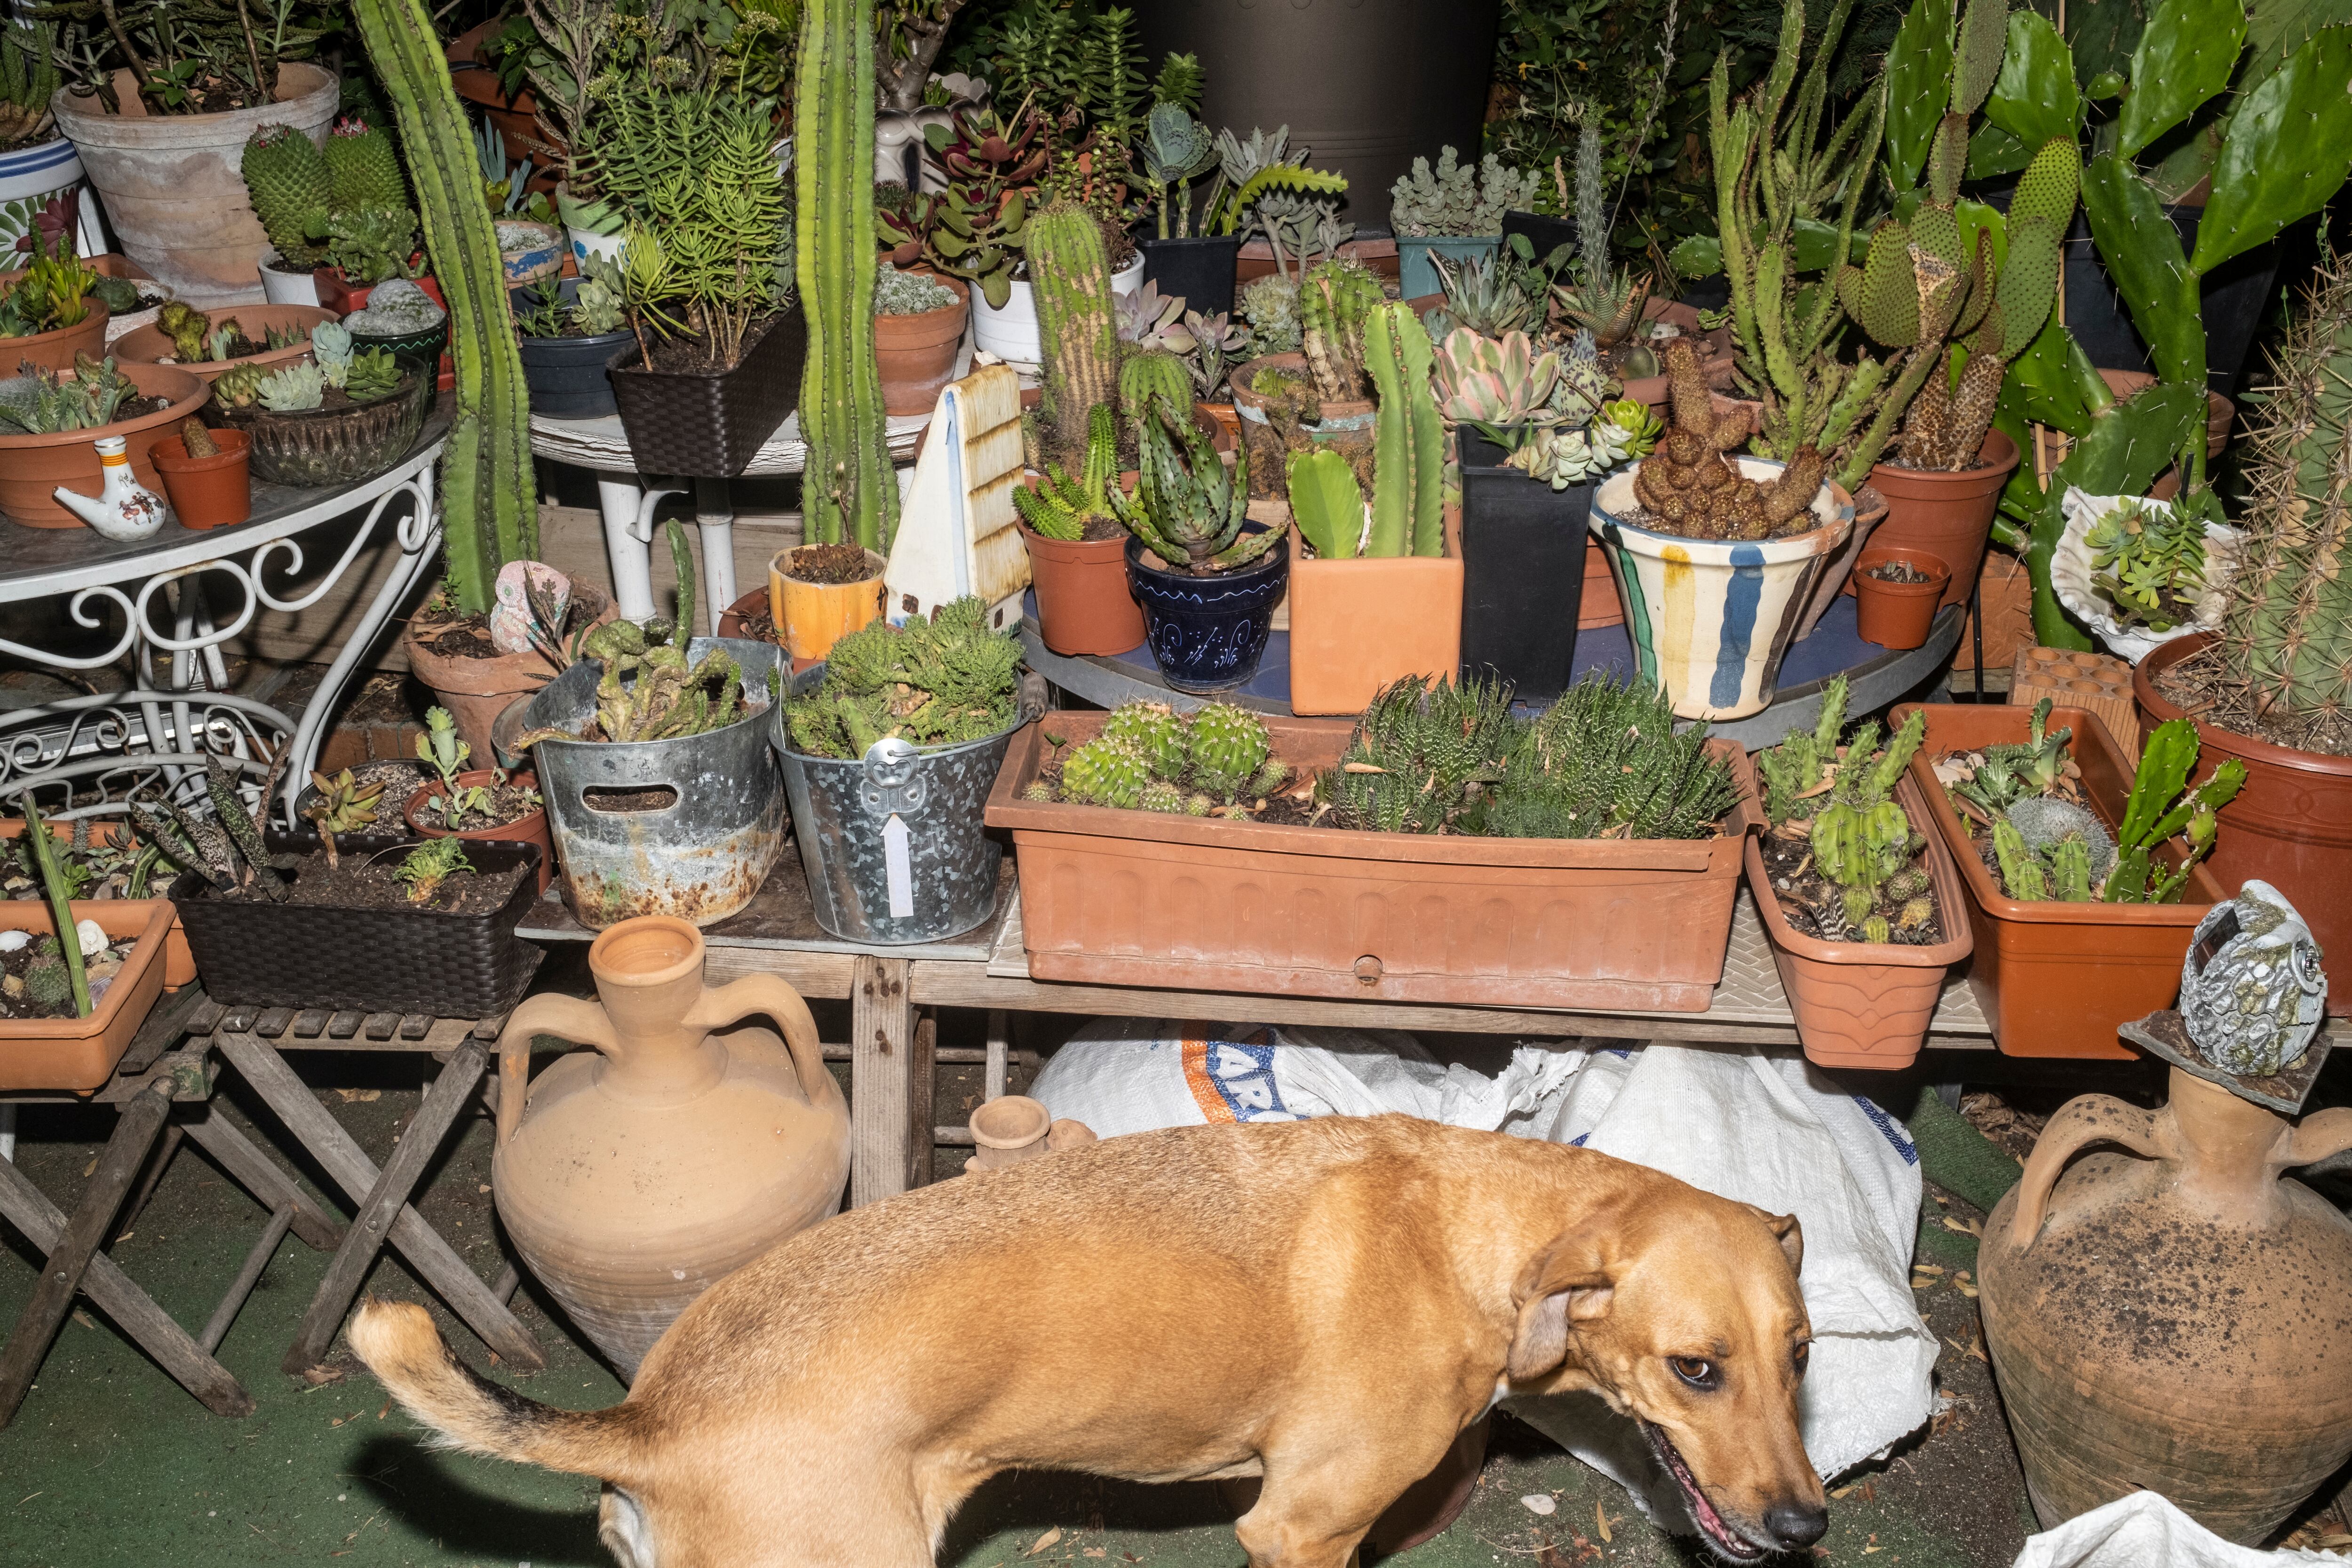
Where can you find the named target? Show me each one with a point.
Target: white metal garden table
(185, 594)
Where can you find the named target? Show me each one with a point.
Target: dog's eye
(1693, 1370)
(1800, 1355)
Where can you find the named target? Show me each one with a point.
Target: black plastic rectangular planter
(701, 425)
(1201, 270)
(1523, 547)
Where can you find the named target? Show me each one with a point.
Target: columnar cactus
(849, 493)
(1408, 437)
(1335, 298)
(488, 491)
(1077, 325)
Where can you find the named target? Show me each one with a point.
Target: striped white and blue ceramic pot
(44, 178)
(1709, 619)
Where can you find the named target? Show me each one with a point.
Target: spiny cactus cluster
(1149, 757)
(1061, 506)
(1862, 844)
(1154, 382)
(1688, 485)
(1336, 299)
(296, 187)
(939, 681)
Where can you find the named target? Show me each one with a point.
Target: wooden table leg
(442, 1101)
(53, 1295)
(255, 1172)
(125, 1302)
(433, 1258)
(890, 1089)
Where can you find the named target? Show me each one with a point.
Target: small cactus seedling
(432, 863)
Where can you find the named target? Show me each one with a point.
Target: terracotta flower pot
(2290, 826)
(77, 1054)
(1083, 603)
(736, 620)
(2166, 1318)
(33, 465)
(2218, 410)
(528, 828)
(1869, 512)
(2055, 979)
(1140, 897)
(1597, 603)
(1866, 1005)
(339, 294)
(1897, 615)
(1358, 626)
(207, 492)
(179, 965)
(812, 617)
(56, 350)
(1013, 1129)
(1947, 515)
(917, 354)
(1347, 425)
(475, 690)
(151, 344)
(517, 118)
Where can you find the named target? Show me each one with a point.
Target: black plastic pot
(1545, 234)
(1208, 633)
(1523, 547)
(1201, 270)
(707, 424)
(567, 375)
(371, 959)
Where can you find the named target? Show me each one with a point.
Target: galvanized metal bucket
(893, 842)
(701, 855)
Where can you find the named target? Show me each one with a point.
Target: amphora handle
(2080, 1124)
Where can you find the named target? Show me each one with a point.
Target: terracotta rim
(1010, 1121)
(2144, 689)
(1991, 474)
(615, 956)
(1928, 561)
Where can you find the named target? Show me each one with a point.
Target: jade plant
(1862, 843)
(489, 502)
(849, 494)
(1405, 516)
(941, 681)
(1188, 509)
(1217, 760)
(978, 228)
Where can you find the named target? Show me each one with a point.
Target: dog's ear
(1570, 1280)
(1787, 1232)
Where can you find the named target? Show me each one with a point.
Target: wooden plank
(414, 1025)
(237, 1020)
(826, 974)
(206, 1017)
(167, 1023)
(380, 1025)
(253, 1171)
(420, 1143)
(352, 1171)
(343, 1025)
(922, 1076)
(125, 1302)
(77, 1244)
(216, 1327)
(274, 1022)
(309, 1023)
(883, 1086)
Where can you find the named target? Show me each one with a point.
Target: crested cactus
(488, 488)
(850, 494)
(1408, 437)
(1335, 300)
(1077, 325)
(292, 189)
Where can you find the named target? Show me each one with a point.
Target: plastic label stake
(896, 867)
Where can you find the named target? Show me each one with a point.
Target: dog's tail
(399, 1344)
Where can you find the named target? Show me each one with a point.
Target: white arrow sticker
(896, 869)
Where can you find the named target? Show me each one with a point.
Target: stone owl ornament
(2251, 992)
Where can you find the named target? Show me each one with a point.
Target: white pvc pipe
(624, 548)
(714, 513)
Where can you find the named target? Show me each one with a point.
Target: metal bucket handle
(891, 784)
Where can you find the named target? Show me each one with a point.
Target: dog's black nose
(1793, 1524)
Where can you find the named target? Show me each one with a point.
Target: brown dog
(1324, 1303)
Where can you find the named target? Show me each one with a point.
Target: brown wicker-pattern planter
(320, 448)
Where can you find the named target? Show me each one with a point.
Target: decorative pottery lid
(2252, 997)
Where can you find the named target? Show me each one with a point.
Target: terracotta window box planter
(1362, 625)
(1134, 898)
(77, 1054)
(2054, 979)
(179, 965)
(2290, 826)
(1866, 1005)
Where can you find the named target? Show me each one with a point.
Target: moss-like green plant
(939, 681)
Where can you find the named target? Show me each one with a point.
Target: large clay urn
(686, 1143)
(2177, 1317)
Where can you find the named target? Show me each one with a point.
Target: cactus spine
(1077, 325)
(850, 494)
(1407, 436)
(490, 495)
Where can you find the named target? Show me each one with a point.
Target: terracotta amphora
(635, 1175)
(2174, 1318)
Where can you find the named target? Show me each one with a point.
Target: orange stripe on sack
(1213, 1105)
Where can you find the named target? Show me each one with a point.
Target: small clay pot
(1013, 1128)
(1948, 514)
(1084, 606)
(917, 353)
(1897, 615)
(207, 492)
(528, 828)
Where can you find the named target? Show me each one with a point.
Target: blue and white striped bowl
(1709, 619)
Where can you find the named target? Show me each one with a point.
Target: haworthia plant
(488, 491)
(849, 493)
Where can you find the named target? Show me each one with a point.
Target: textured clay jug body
(2178, 1318)
(685, 1145)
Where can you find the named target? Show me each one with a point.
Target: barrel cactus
(364, 165)
(291, 187)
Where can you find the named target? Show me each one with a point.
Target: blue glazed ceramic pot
(1208, 633)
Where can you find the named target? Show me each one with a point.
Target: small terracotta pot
(1083, 603)
(1897, 615)
(527, 828)
(207, 492)
(475, 690)
(736, 621)
(917, 354)
(33, 465)
(1947, 515)
(1228, 421)
(1866, 1005)
(151, 344)
(2290, 826)
(812, 617)
(1358, 626)
(1013, 1128)
(339, 294)
(56, 350)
